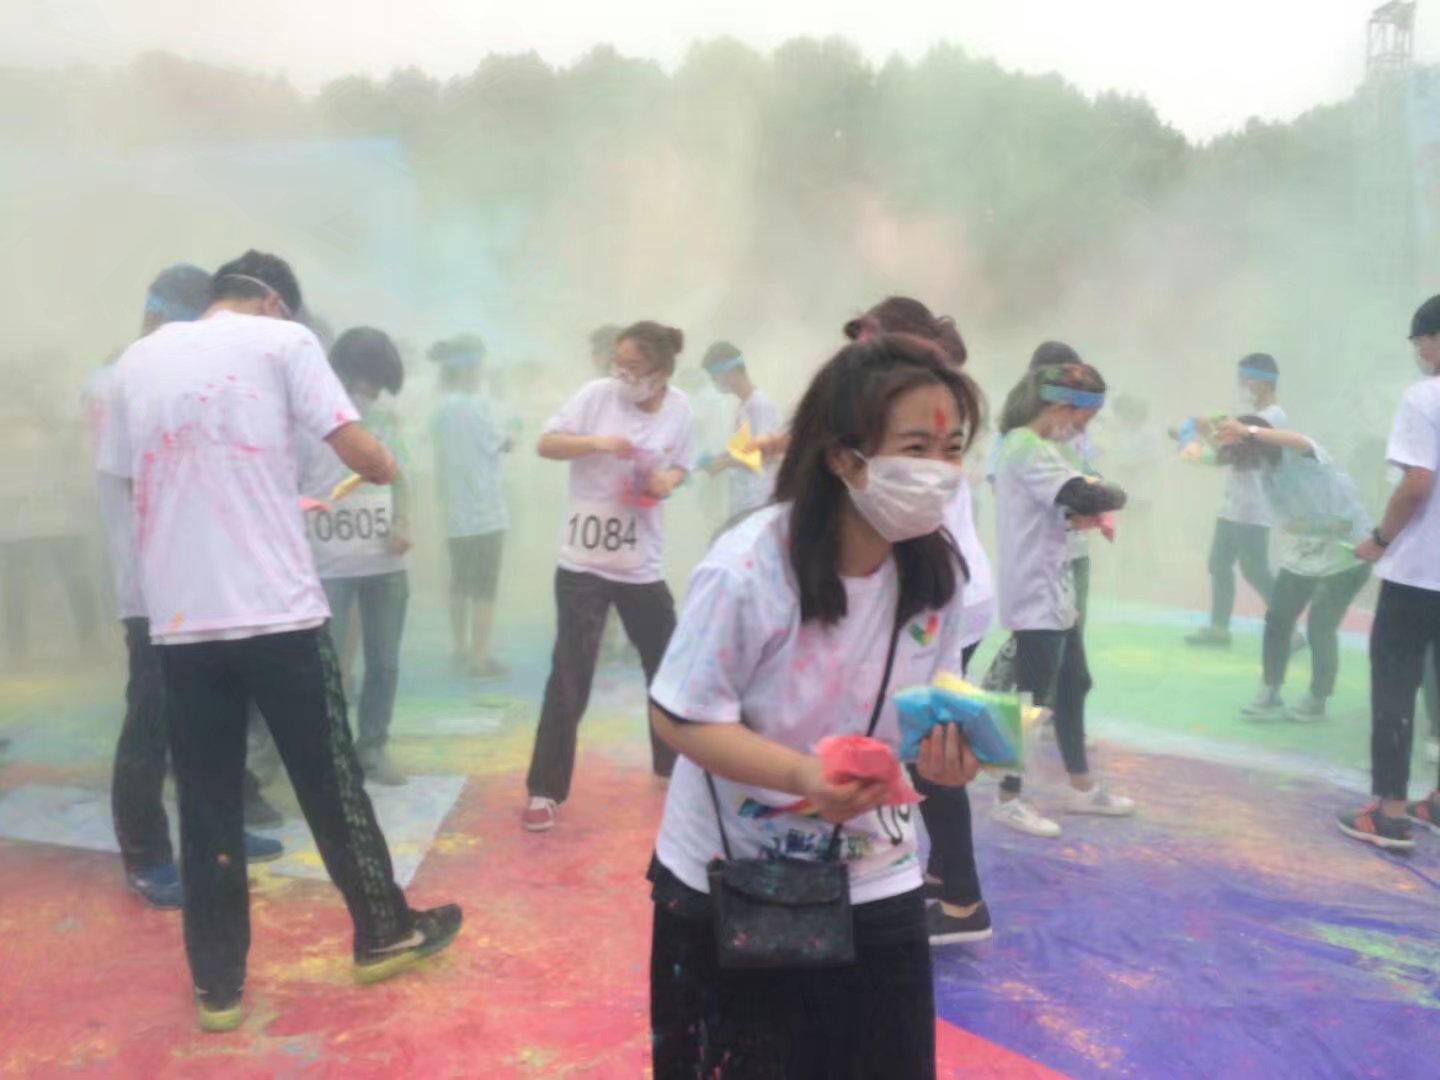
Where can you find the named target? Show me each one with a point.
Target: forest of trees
(744, 187)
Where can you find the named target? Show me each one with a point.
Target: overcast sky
(1206, 64)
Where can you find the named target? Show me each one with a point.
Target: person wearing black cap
(1242, 530)
(1406, 548)
(179, 293)
(204, 423)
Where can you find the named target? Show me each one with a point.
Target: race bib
(353, 530)
(602, 536)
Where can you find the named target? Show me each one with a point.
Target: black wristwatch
(1380, 541)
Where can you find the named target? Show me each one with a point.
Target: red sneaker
(539, 816)
(1374, 827)
(1425, 813)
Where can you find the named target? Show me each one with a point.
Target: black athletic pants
(295, 680)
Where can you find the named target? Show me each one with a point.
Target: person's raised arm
(556, 446)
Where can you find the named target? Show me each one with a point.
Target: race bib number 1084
(601, 536)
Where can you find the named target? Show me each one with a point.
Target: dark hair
(1251, 454)
(1260, 362)
(906, 315)
(317, 325)
(1051, 353)
(658, 343)
(848, 404)
(231, 280)
(1025, 402)
(603, 338)
(362, 352)
(719, 353)
(1426, 320)
(179, 292)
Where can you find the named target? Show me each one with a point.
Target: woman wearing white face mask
(629, 442)
(1039, 492)
(798, 625)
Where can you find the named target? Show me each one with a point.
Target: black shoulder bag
(780, 912)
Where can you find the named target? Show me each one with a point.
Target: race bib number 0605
(358, 526)
(602, 536)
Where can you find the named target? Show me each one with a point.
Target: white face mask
(905, 497)
(638, 391)
(1426, 368)
(1246, 398)
(1064, 433)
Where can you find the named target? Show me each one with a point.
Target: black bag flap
(786, 882)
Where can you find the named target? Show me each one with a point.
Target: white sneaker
(1266, 706)
(1098, 801)
(1022, 817)
(1432, 751)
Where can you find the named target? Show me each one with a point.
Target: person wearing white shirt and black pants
(1406, 547)
(206, 416)
(798, 624)
(629, 442)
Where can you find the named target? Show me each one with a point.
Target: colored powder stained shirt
(351, 538)
(205, 421)
(610, 528)
(741, 654)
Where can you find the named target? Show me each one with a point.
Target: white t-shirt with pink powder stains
(204, 421)
(741, 654)
(609, 528)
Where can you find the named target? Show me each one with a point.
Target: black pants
(137, 784)
(946, 812)
(1050, 665)
(582, 601)
(1328, 598)
(1250, 545)
(874, 1019)
(1406, 627)
(1080, 572)
(295, 679)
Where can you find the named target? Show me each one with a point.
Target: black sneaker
(259, 814)
(949, 930)
(435, 928)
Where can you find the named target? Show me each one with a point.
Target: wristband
(1380, 541)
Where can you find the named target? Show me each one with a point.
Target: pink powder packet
(846, 758)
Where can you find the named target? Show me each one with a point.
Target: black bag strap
(832, 850)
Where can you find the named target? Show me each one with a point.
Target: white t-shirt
(606, 529)
(749, 489)
(979, 607)
(1037, 581)
(350, 538)
(1083, 454)
(1413, 557)
(740, 651)
(1243, 502)
(117, 513)
(204, 422)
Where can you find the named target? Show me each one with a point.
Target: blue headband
(1258, 375)
(1064, 395)
(170, 310)
(720, 367)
